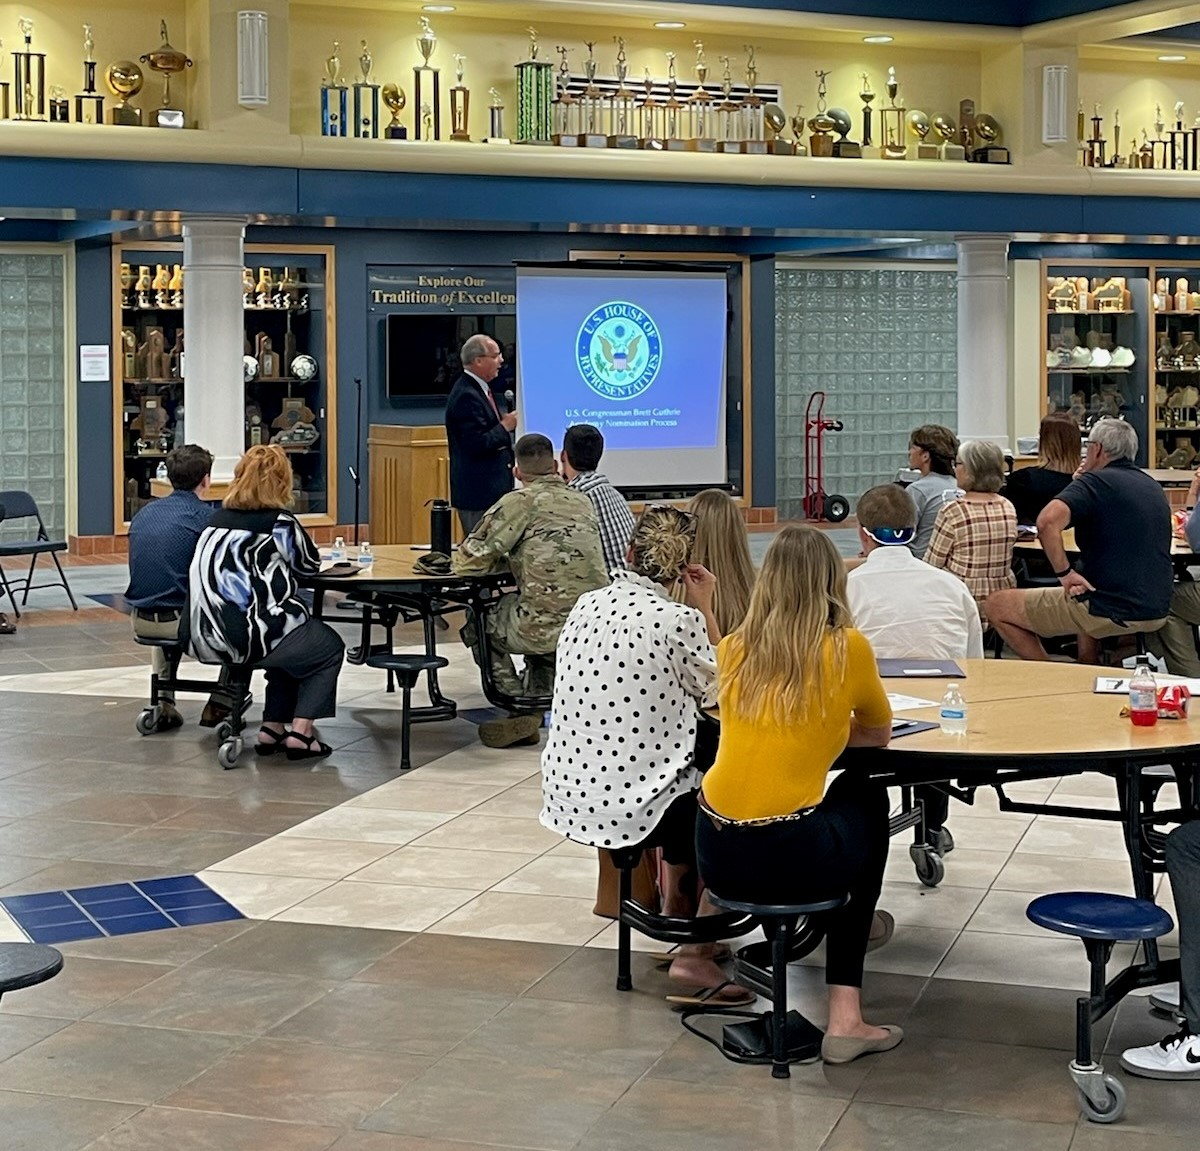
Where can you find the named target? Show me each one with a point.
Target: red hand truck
(817, 505)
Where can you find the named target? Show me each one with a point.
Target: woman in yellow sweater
(797, 685)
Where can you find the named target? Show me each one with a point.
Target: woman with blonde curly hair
(798, 684)
(634, 669)
(722, 547)
(244, 606)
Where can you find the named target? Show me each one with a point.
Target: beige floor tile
(443, 867)
(391, 906)
(564, 875)
(368, 825)
(882, 1127)
(304, 858)
(533, 918)
(965, 866)
(1003, 912)
(416, 794)
(261, 896)
(491, 833)
(912, 951)
(946, 906)
(1074, 839)
(1039, 874)
(1050, 961)
(521, 801)
(987, 832)
(578, 850)
(9, 931)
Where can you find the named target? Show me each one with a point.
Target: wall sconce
(253, 74)
(1054, 104)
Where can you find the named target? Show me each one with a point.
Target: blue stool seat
(1100, 915)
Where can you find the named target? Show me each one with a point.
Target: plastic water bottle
(366, 557)
(1143, 696)
(160, 473)
(953, 716)
(337, 553)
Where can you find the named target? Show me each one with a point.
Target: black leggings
(840, 847)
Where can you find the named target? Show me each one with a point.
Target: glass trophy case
(288, 390)
(1175, 366)
(1097, 341)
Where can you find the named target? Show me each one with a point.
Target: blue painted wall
(93, 404)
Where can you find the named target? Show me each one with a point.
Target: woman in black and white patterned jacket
(244, 607)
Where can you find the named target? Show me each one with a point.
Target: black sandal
(262, 747)
(315, 749)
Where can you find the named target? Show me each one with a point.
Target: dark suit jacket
(481, 448)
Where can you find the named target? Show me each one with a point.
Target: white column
(983, 338)
(214, 392)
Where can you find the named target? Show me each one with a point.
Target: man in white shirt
(909, 610)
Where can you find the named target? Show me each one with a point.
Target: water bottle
(366, 557)
(1143, 696)
(338, 552)
(439, 526)
(954, 711)
(160, 473)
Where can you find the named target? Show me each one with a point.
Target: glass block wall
(33, 393)
(881, 343)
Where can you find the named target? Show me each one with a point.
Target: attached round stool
(779, 922)
(26, 965)
(406, 669)
(1101, 920)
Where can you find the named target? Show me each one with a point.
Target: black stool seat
(27, 964)
(155, 641)
(406, 669)
(781, 910)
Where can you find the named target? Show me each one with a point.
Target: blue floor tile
(64, 932)
(103, 912)
(156, 887)
(19, 903)
(169, 900)
(105, 894)
(132, 924)
(50, 917)
(215, 913)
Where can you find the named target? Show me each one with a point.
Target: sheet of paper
(908, 702)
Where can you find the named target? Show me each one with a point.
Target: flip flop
(712, 997)
(721, 952)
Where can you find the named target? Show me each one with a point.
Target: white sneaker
(1176, 1057)
(1166, 999)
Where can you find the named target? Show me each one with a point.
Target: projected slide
(641, 355)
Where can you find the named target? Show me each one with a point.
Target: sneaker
(1176, 1057)
(168, 717)
(1166, 998)
(6, 626)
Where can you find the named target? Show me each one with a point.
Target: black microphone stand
(355, 472)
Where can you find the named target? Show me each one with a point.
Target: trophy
(799, 148)
(1094, 154)
(125, 279)
(991, 151)
(820, 143)
(142, 286)
(366, 99)
(496, 119)
(846, 148)
(729, 111)
(590, 135)
(650, 138)
(563, 107)
(775, 120)
(754, 141)
(395, 99)
(124, 80)
(161, 285)
(1181, 144)
(702, 139)
(427, 122)
(535, 96)
(919, 126)
(60, 107)
(1160, 159)
(892, 121)
(620, 115)
(866, 96)
(29, 78)
(460, 104)
(176, 286)
(672, 110)
(4, 102)
(1117, 159)
(947, 131)
(168, 61)
(89, 104)
(427, 91)
(333, 95)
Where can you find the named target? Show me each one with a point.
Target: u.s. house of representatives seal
(618, 350)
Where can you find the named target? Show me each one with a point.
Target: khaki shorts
(1052, 612)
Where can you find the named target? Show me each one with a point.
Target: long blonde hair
(779, 657)
(261, 479)
(722, 547)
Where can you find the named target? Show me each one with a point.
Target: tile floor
(419, 969)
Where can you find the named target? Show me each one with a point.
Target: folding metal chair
(17, 505)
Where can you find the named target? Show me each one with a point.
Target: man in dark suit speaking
(481, 449)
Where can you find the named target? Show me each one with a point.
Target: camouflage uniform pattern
(547, 534)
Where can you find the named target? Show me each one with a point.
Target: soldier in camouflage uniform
(548, 536)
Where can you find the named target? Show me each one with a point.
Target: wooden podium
(408, 467)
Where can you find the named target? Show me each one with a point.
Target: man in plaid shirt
(583, 445)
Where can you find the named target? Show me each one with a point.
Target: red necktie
(492, 400)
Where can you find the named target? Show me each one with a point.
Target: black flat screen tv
(422, 351)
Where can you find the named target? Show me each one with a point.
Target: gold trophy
(703, 115)
(620, 112)
(333, 95)
(892, 120)
(754, 138)
(168, 61)
(427, 91)
(565, 134)
(844, 147)
(820, 143)
(124, 80)
(730, 110)
(591, 134)
(4, 101)
(919, 126)
(775, 120)
(947, 131)
(799, 147)
(866, 96)
(395, 99)
(89, 104)
(30, 77)
(460, 104)
(366, 99)
(991, 151)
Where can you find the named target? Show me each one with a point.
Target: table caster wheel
(227, 754)
(930, 869)
(147, 722)
(1113, 1106)
(224, 730)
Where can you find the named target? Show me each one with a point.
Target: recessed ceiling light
(878, 39)
(669, 24)
(1171, 59)
(437, 7)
